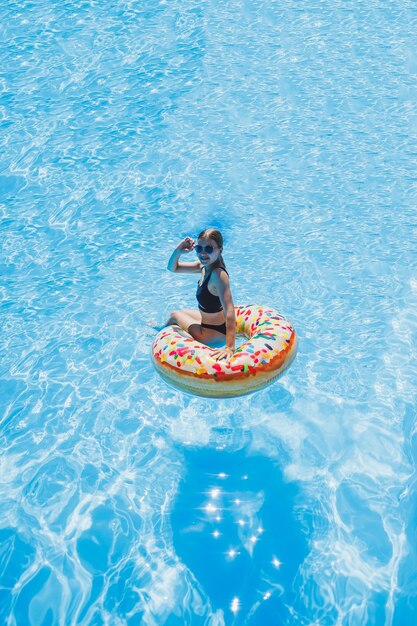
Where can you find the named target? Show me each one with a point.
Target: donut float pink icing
(188, 365)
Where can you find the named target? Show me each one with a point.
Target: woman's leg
(190, 321)
(184, 318)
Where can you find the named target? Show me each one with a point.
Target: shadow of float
(235, 526)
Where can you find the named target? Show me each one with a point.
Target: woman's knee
(178, 317)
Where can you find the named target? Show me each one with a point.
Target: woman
(215, 321)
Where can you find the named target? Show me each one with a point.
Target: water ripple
(127, 126)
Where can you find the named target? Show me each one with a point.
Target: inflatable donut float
(188, 365)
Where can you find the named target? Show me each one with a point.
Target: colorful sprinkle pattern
(270, 339)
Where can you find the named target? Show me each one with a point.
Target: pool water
(126, 126)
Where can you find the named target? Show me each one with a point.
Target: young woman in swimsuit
(215, 321)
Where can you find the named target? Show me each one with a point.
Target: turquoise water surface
(127, 125)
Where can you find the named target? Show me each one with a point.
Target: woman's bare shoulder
(221, 274)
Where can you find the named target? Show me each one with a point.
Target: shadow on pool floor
(235, 528)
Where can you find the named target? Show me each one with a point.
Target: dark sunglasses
(208, 249)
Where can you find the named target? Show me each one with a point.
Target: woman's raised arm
(185, 246)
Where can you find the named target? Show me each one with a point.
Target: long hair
(213, 233)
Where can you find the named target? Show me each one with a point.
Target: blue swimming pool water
(127, 125)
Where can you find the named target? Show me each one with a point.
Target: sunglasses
(200, 249)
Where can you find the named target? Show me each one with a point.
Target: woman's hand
(186, 245)
(222, 353)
